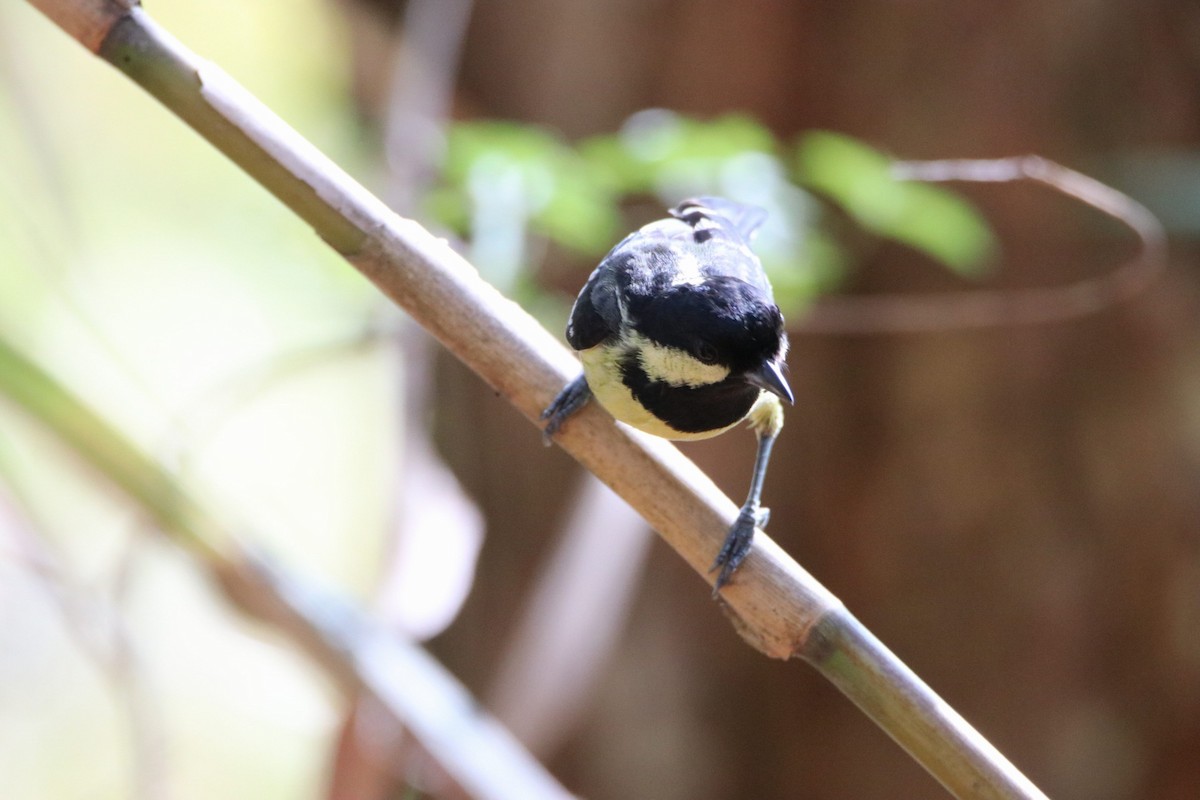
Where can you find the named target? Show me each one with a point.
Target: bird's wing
(596, 315)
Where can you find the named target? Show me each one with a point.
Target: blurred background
(1011, 508)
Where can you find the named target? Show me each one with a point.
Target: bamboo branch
(775, 604)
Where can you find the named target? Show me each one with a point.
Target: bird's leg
(752, 515)
(569, 400)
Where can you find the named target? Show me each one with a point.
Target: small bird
(680, 337)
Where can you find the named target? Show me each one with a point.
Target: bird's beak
(770, 377)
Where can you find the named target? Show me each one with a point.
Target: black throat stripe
(689, 409)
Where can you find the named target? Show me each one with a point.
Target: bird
(680, 337)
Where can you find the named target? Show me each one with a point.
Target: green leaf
(927, 218)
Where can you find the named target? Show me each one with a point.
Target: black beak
(770, 377)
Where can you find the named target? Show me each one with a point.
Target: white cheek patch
(677, 367)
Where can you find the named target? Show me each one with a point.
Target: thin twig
(571, 620)
(419, 101)
(421, 96)
(986, 308)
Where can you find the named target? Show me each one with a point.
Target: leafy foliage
(503, 181)
(927, 218)
(530, 169)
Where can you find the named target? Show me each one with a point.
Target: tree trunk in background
(1011, 510)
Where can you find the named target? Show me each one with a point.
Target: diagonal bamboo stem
(775, 605)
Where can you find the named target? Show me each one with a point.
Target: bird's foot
(569, 400)
(737, 544)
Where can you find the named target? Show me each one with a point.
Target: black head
(722, 320)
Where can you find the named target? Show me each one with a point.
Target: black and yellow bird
(680, 337)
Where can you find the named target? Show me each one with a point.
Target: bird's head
(707, 332)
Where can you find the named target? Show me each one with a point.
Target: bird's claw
(737, 544)
(569, 400)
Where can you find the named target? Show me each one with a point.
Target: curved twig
(985, 308)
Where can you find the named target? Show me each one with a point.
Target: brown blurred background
(1011, 510)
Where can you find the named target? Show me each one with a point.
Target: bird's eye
(706, 352)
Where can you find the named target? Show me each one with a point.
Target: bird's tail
(745, 219)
